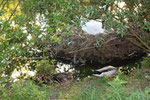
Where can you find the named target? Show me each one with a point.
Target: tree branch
(4, 5)
(34, 58)
(90, 3)
(135, 34)
(137, 45)
(1, 2)
(13, 11)
(81, 50)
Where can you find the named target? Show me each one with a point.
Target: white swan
(93, 27)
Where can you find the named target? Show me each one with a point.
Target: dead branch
(142, 42)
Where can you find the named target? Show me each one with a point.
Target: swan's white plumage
(93, 27)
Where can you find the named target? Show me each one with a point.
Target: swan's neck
(103, 25)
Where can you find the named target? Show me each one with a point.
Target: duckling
(64, 79)
(107, 70)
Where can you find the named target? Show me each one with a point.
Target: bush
(116, 91)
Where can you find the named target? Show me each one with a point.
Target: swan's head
(102, 21)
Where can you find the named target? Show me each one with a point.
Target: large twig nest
(98, 49)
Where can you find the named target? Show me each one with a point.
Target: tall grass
(90, 92)
(93, 89)
(139, 95)
(146, 62)
(96, 90)
(112, 91)
(21, 91)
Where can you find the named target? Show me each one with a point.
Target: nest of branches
(81, 48)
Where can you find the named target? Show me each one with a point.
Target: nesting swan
(93, 27)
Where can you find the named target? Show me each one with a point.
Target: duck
(64, 79)
(106, 71)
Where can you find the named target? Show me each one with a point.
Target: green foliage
(24, 91)
(113, 90)
(89, 89)
(90, 92)
(116, 91)
(44, 67)
(140, 95)
(146, 62)
(22, 37)
(36, 28)
(1, 13)
(99, 42)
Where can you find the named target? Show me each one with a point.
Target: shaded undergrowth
(87, 89)
(134, 86)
